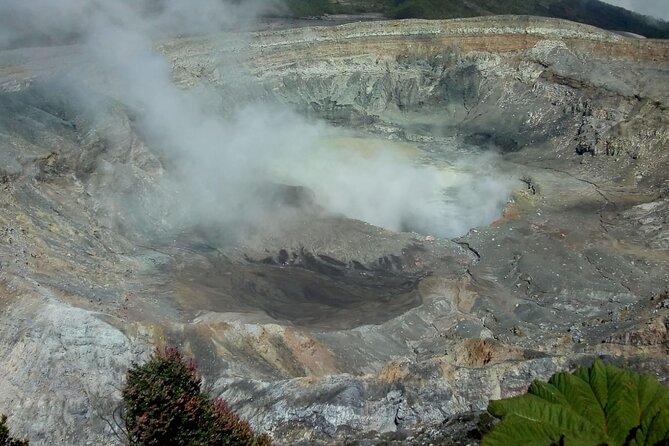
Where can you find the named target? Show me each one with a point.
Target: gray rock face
(328, 329)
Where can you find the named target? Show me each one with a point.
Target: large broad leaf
(600, 405)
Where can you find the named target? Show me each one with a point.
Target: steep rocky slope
(327, 328)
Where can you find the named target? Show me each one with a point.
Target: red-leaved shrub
(165, 405)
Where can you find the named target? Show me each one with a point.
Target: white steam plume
(220, 164)
(46, 22)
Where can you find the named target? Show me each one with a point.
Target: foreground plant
(165, 405)
(600, 405)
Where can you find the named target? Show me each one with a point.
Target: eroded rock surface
(327, 329)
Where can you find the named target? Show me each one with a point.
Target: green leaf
(580, 398)
(519, 430)
(622, 409)
(599, 405)
(656, 430)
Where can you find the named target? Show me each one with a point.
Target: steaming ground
(221, 162)
(392, 185)
(239, 181)
(220, 159)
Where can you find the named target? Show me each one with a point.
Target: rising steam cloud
(220, 160)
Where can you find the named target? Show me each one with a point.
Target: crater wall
(574, 269)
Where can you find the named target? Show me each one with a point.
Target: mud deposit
(299, 289)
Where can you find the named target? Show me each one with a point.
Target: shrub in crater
(164, 405)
